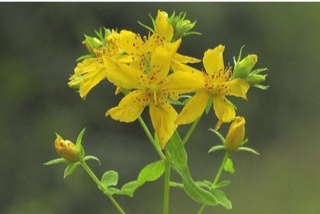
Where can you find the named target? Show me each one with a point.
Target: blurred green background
(39, 44)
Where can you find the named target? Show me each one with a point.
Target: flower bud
(75, 81)
(235, 135)
(243, 68)
(67, 150)
(91, 43)
(181, 26)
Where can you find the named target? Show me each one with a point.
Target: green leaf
(129, 188)
(218, 134)
(70, 169)
(111, 191)
(195, 191)
(55, 161)
(151, 172)
(228, 166)
(209, 105)
(110, 178)
(246, 149)
(221, 198)
(90, 157)
(216, 148)
(222, 184)
(175, 152)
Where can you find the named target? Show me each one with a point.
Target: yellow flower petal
(87, 65)
(124, 76)
(161, 60)
(182, 82)
(185, 59)
(223, 109)
(163, 116)
(130, 42)
(90, 80)
(178, 66)
(163, 28)
(213, 60)
(237, 88)
(130, 107)
(194, 108)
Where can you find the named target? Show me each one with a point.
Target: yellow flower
(91, 71)
(215, 85)
(151, 86)
(140, 49)
(67, 150)
(235, 135)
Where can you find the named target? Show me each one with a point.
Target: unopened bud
(244, 67)
(75, 81)
(235, 135)
(67, 150)
(91, 43)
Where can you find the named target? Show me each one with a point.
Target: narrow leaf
(90, 157)
(70, 169)
(262, 87)
(216, 148)
(246, 149)
(146, 26)
(222, 184)
(209, 105)
(55, 161)
(79, 138)
(218, 134)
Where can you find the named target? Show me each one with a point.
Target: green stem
(216, 180)
(190, 131)
(166, 194)
(154, 143)
(101, 187)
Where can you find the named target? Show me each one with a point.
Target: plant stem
(166, 194)
(154, 143)
(216, 180)
(101, 187)
(190, 131)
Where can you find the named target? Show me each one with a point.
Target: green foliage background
(39, 44)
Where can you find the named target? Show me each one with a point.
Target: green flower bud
(235, 135)
(91, 43)
(243, 68)
(67, 150)
(75, 81)
(181, 26)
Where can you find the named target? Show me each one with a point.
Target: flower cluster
(154, 74)
(151, 73)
